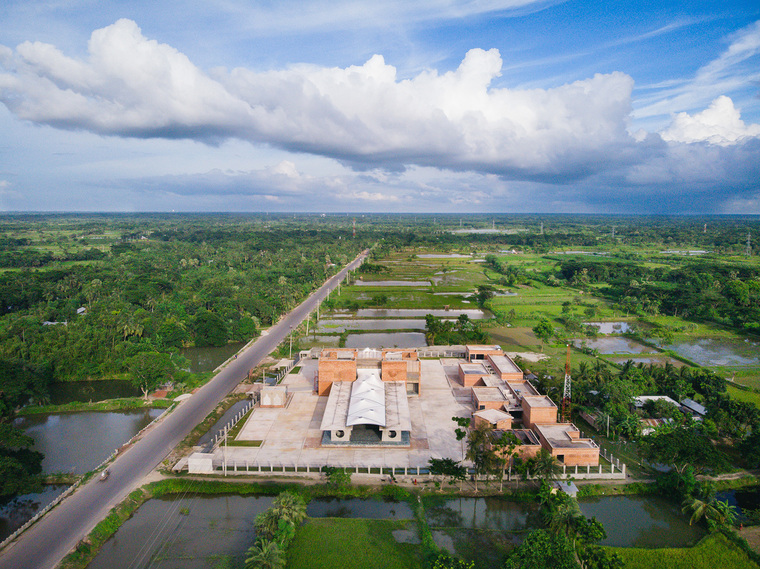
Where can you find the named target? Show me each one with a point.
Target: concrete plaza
(291, 435)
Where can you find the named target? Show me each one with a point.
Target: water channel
(69, 391)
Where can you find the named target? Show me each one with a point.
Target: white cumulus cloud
(720, 124)
(362, 115)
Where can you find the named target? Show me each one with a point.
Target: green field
(353, 543)
(713, 552)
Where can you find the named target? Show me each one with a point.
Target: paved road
(44, 544)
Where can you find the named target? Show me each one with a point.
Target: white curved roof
(367, 404)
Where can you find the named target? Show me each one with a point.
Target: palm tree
(267, 523)
(544, 465)
(290, 507)
(265, 555)
(713, 510)
(479, 450)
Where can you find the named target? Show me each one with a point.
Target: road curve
(44, 544)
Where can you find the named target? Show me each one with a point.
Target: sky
(503, 106)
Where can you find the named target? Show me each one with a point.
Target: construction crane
(566, 393)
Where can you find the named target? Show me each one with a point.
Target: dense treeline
(704, 289)
(160, 285)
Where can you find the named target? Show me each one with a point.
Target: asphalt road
(44, 544)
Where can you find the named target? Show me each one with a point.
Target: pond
(192, 532)
(208, 358)
(743, 499)
(69, 391)
(610, 327)
(390, 340)
(359, 508)
(78, 442)
(491, 513)
(714, 352)
(642, 521)
(474, 314)
(614, 346)
(16, 512)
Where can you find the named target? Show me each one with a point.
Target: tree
(290, 507)
(544, 465)
(444, 467)
(542, 550)
(681, 445)
(265, 555)
(543, 331)
(210, 329)
(505, 445)
(150, 369)
(717, 513)
(479, 450)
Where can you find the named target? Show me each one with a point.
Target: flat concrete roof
(488, 393)
(474, 368)
(521, 388)
(539, 401)
(397, 415)
(504, 364)
(492, 415)
(556, 434)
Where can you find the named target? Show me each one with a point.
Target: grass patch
(107, 405)
(715, 550)
(352, 543)
(743, 395)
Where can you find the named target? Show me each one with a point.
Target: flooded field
(642, 521)
(78, 442)
(714, 352)
(391, 340)
(392, 283)
(610, 327)
(443, 256)
(614, 346)
(474, 314)
(192, 532)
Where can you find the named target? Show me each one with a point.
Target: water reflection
(392, 340)
(359, 508)
(69, 391)
(483, 513)
(191, 532)
(641, 521)
(209, 358)
(78, 442)
(16, 512)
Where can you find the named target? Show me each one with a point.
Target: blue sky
(396, 106)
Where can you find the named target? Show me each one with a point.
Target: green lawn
(713, 552)
(352, 543)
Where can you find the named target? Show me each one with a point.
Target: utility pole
(290, 352)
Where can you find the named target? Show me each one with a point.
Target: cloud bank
(369, 119)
